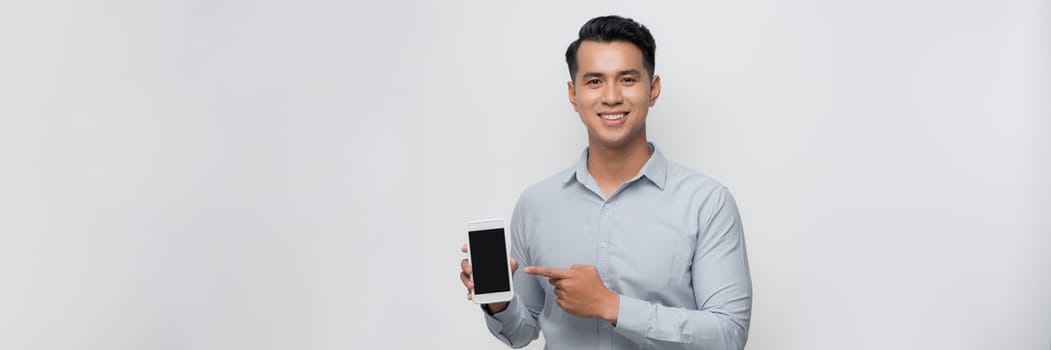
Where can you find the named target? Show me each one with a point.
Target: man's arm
(722, 288)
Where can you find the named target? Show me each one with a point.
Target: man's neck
(612, 166)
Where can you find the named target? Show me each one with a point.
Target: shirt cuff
(633, 318)
(503, 320)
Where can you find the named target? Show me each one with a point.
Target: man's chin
(610, 142)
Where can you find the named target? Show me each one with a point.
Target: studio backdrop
(297, 174)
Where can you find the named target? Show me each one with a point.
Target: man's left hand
(579, 290)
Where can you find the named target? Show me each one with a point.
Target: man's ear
(572, 95)
(655, 89)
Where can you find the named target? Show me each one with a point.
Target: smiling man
(625, 249)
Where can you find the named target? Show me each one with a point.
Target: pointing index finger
(548, 272)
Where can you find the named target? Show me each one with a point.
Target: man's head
(607, 29)
(612, 82)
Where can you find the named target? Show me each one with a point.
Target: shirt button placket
(605, 229)
(604, 234)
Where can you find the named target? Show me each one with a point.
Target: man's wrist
(495, 308)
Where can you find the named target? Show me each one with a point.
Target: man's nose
(611, 95)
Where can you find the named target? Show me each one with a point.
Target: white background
(296, 174)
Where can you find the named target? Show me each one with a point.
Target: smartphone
(487, 251)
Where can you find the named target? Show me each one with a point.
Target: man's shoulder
(548, 188)
(684, 178)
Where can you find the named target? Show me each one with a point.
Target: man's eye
(628, 80)
(593, 82)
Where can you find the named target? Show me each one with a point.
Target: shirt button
(604, 325)
(607, 206)
(604, 245)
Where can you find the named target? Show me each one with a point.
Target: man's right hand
(465, 277)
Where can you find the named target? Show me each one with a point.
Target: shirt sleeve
(518, 324)
(722, 287)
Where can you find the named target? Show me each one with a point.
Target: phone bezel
(488, 224)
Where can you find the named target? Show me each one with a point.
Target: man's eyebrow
(630, 72)
(592, 75)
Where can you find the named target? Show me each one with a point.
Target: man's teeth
(612, 116)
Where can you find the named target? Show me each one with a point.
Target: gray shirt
(668, 241)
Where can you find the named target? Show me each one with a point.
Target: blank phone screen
(489, 261)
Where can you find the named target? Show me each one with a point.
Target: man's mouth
(613, 116)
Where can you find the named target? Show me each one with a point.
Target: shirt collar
(655, 169)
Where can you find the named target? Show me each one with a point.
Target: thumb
(514, 265)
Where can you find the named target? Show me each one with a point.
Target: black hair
(614, 28)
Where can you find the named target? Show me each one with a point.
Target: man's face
(612, 92)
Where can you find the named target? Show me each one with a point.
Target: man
(626, 249)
